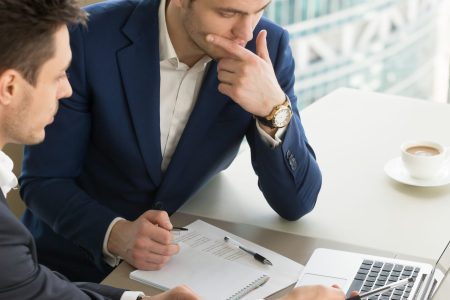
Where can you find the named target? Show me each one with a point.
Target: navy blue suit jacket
(102, 156)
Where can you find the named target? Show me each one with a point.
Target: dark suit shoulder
(117, 12)
(276, 35)
(114, 7)
(270, 26)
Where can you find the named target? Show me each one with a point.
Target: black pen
(383, 288)
(256, 256)
(179, 229)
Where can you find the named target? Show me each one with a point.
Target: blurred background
(396, 47)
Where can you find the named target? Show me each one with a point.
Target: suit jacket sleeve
(21, 277)
(288, 175)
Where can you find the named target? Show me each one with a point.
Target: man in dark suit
(164, 94)
(34, 56)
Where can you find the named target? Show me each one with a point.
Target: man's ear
(9, 86)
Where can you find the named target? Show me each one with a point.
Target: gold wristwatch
(279, 117)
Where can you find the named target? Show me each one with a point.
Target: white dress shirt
(7, 178)
(179, 88)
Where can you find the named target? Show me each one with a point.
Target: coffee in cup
(423, 159)
(421, 150)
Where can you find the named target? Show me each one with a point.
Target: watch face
(282, 117)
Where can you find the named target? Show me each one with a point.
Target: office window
(392, 46)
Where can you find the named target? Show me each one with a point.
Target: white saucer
(395, 169)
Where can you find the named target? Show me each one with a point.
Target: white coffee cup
(423, 159)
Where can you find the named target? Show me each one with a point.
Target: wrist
(116, 240)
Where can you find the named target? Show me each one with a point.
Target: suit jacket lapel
(139, 67)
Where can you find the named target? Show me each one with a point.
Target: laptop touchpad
(311, 279)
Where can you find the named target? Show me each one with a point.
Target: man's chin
(36, 139)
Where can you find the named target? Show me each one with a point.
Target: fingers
(226, 77)
(152, 247)
(228, 64)
(158, 217)
(229, 46)
(237, 51)
(336, 286)
(261, 46)
(184, 293)
(227, 89)
(147, 242)
(354, 294)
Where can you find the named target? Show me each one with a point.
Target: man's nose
(243, 30)
(65, 90)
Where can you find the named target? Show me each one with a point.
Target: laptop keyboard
(374, 274)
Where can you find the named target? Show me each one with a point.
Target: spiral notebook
(208, 275)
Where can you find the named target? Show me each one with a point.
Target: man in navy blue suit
(164, 93)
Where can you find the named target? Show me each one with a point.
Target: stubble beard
(18, 130)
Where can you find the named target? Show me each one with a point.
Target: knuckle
(220, 65)
(136, 257)
(241, 82)
(222, 88)
(180, 289)
(163, 260)
(236, 93)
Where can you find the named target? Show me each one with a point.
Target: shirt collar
(7, 178)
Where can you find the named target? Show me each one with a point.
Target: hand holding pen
(255, 255)
(146, 243)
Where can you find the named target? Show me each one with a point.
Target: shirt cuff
(108, 257)
(268, 140)
(131, 295)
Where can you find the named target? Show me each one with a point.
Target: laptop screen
(440, 284)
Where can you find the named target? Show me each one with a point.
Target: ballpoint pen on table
(255, 255)
(383, 288)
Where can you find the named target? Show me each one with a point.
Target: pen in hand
(255, 255)
(179, 229)
(383, 288)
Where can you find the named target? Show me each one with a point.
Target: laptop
(443, 291)
(363, 273)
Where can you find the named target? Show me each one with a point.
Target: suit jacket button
(293, 163)
(289, 155)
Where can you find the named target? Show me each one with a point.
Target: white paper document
(219, 270)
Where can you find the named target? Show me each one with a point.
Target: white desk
(354, 134)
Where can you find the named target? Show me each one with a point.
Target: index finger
(160, 235)
(158, 217)
(229, 46)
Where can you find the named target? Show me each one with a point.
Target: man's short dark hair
(26, 32)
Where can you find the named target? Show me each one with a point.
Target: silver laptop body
(361, 272)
